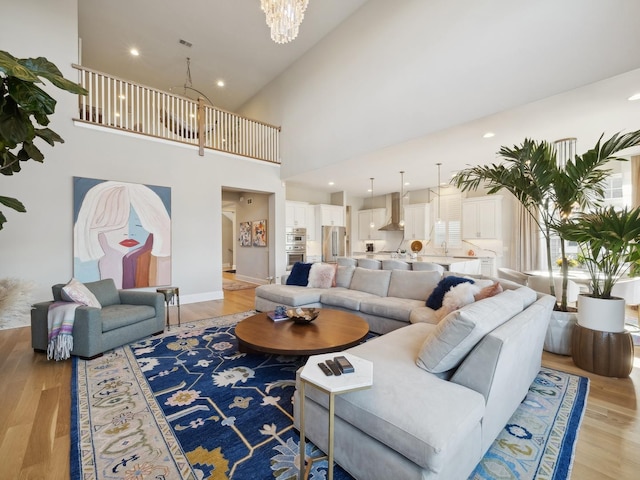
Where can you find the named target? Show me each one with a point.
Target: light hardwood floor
(35, 407)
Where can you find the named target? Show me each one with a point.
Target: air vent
(185, 43)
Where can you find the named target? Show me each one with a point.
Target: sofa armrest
(56, 290)
(87, 332)
(137, 297)
(39, 325)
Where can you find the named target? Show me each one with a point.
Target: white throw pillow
(460, 331)
(322, 275)
(74, 291)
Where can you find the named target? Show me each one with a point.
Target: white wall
(395, 72)
(37, 246)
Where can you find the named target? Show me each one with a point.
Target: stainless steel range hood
(394, 224)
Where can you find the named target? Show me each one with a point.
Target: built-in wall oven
(296, 245)
(297, 236)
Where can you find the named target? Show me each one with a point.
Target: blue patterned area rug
(187, 405)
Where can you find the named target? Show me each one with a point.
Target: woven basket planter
(605, 353)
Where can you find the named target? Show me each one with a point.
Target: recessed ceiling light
(220, 83)
(406, 184)
(331, 183)
(134, 52)
(634, 97)
(488, 135)
(369, 190)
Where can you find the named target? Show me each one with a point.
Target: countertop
(440, 260)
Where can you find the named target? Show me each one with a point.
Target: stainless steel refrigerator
(334, 240)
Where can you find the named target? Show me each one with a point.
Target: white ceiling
(231, 42)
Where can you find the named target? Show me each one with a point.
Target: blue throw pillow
(435, 299)
(299, 274)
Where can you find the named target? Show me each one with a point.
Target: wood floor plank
(36, 403)
(13, 449)
(44, 426)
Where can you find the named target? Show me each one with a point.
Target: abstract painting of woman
(122, 231)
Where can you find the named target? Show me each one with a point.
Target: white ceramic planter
(605, 315)
(559, 332)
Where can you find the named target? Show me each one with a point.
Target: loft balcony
(123, 105)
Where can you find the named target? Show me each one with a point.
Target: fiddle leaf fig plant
(24, 114)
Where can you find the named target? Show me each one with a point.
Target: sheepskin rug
(15, 302)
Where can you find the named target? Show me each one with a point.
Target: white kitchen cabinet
(311, 223)
(332, 215)
(482, 217)
(365, 232)
(296, 214)
(417, 224)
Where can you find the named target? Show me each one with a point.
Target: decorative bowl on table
(303, 315)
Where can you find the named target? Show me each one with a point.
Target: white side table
(360, 379)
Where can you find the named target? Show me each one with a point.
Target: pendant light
(402, 198)
(372, 224)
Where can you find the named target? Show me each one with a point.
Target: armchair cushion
(116, 316)
(105, 291)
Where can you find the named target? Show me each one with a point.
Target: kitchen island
(461, 264)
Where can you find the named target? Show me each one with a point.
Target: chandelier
(284, 18)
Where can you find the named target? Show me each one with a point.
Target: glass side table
(360, 379)
(170, 294)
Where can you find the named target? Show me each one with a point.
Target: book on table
(277, 318)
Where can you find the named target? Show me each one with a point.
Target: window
(449, 229)
(617, 193)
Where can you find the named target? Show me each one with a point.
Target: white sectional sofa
(442, 390)
(386, 299)
(418, 422)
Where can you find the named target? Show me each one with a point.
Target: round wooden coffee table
(332, 331)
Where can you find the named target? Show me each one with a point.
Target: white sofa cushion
(344, 298)
(293, 295)
(412, 284)
(344, 274)
(375, 282)
(390, 307)
(529, 296)
(457, 333)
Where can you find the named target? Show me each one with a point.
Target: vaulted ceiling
(414, 82)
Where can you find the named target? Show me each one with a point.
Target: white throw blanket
(60, 319)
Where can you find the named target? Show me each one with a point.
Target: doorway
(228, 245)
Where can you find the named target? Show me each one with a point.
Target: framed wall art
(259, 233)
(245, 234)
(122, 231)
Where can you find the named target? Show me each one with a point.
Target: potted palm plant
(610, 243)
(609, 240)
(550, 192)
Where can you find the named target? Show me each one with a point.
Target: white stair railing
(120, 104)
